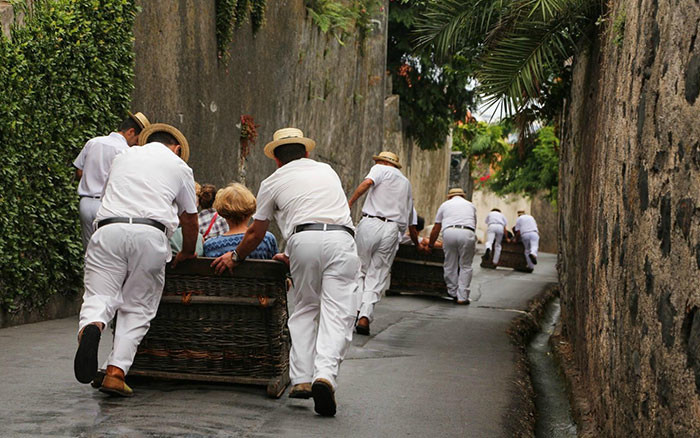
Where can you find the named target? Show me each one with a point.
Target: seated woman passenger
(236, 204)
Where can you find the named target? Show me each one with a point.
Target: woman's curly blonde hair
(235, 203)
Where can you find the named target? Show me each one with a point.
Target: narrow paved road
(430, 369)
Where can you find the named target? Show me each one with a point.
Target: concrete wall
(288, 74)
(630, 220)
(428, 171)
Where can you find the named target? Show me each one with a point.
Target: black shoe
(85, 363)
(362, 329)
(324, 399)
(533, 259)
(487, 254)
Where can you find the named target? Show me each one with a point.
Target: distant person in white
(386, 214)
(306, 199)
(93, 164)
(526, 230)
(150, 189)
(496, 223)
(457, 218)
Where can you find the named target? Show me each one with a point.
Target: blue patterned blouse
(220, 245)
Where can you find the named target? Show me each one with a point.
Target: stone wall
(287, 74)
(630, 220)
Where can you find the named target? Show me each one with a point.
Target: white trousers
(531, 242)
(124, 276)
(458, 245)
(324, 267)
(88, 210)
(494, 236)
(377, 244)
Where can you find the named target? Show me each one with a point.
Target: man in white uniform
(457, 218)
(306, 199)
(496, 223)
(93, 164)
(526, 230)
(147, 189)
(386, 214)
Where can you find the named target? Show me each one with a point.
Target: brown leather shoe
(463, 303)
(114, 383)
(324, 398)
(362, 327)
(300, 390)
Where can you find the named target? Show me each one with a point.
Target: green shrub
(66, 75)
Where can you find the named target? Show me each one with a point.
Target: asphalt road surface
(429, 369)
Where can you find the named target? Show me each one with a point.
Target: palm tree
(520, 44)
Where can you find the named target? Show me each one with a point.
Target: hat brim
(388, 160)
(141, 121)
(163, 127)
(452, 195)
(271, 146)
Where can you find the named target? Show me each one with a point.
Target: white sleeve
(186, 198)
(438, 216)
(517, 224)
(414, 220)
(376, 174)
(266, 204)
(79, 162)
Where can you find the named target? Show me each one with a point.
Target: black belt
(462, 227)
(131, 220)
(323, 227)
(88, 196)
(377, 217)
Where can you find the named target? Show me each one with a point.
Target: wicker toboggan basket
(512, 256)
(230, 328)
(415, 273)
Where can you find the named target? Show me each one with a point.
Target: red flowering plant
(249, 133)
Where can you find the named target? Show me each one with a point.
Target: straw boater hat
(140, 119)
(389, 157)
(162, 127)
(288, 136)
(456, 192)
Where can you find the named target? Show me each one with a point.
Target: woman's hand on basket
(281, 257)
(224, 262)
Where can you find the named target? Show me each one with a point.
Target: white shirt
(525, 224)
(456, 211)
(303, 191)
(95, 161)
(151, 182)
(496, 218)
(390, 196)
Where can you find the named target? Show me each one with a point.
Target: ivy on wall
(230, 15)
(342, 18)
(66, 75)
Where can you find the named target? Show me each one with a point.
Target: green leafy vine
(66, 75)
(230, 15)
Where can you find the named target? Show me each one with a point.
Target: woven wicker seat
(512, 256)
(229, 328)
(416, 273)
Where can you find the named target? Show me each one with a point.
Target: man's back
(148, 182)
(95, 160)
(525, 224)
(300, 192)
(456, 211)
(496, 217)
(390, 196)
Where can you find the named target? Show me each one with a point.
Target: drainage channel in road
(554, 418)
